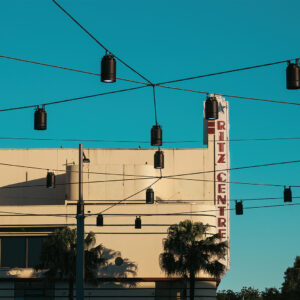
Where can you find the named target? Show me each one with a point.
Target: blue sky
(166, 40)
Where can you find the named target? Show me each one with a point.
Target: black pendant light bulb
(50, 180)
(239, 207)
(156, 135)
(40, 118)
(138, 223)
(149, 196)
(99, 220)
(159, 160)
(108, 68)
(287, 194)
(211, 108)
(293, 76)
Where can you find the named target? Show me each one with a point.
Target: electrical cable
(231, 96)
(229, 182)
(86, 182)
(161, 177)
(252, 207)
(189, 213)
(74, 171)
(64, 68)
(236, 168)
(100, 44)
(136, 193)
(73, 99)
(147, 142)
(48, 65)
(154, 101)
(228, 71)
(174, 201)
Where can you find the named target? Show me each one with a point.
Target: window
(21, 252)
(13, 252)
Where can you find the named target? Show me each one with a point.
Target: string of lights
(145, 85)
(99, 43)
(142, 177)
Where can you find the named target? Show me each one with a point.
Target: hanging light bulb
(159, 160)
(149, 196)
(138, 223)
(108, 68)
(238, 207)
(156, 136)
(40, 118)
(287, 194)
(293, 76)
(211, 108)
(100, 220)
(50, 180)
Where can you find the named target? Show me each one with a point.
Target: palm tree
(58, 256)
(187, 251)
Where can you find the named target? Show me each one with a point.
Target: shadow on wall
(119, 268)
(34, 192)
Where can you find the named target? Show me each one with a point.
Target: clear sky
(165, 40)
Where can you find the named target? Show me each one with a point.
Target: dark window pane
(13, 252)
(34, 251)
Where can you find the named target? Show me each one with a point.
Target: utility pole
(80, 234)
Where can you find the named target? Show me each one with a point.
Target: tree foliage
(291, 284)
(58, 256)
(188, 250)
(249, 293)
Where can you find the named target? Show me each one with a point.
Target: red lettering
(221, 222)
(222, 233)
(221, 188)
(220, 178)
(221, 125)
(222, 210)
(221, 159)
(221, 136)
(221, 147)
(221, 199)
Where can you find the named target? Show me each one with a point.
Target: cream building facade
(194, 185)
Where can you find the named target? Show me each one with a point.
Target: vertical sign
(217, 136)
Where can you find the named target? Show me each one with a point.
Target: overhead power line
(99, 43)
(228, 71)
